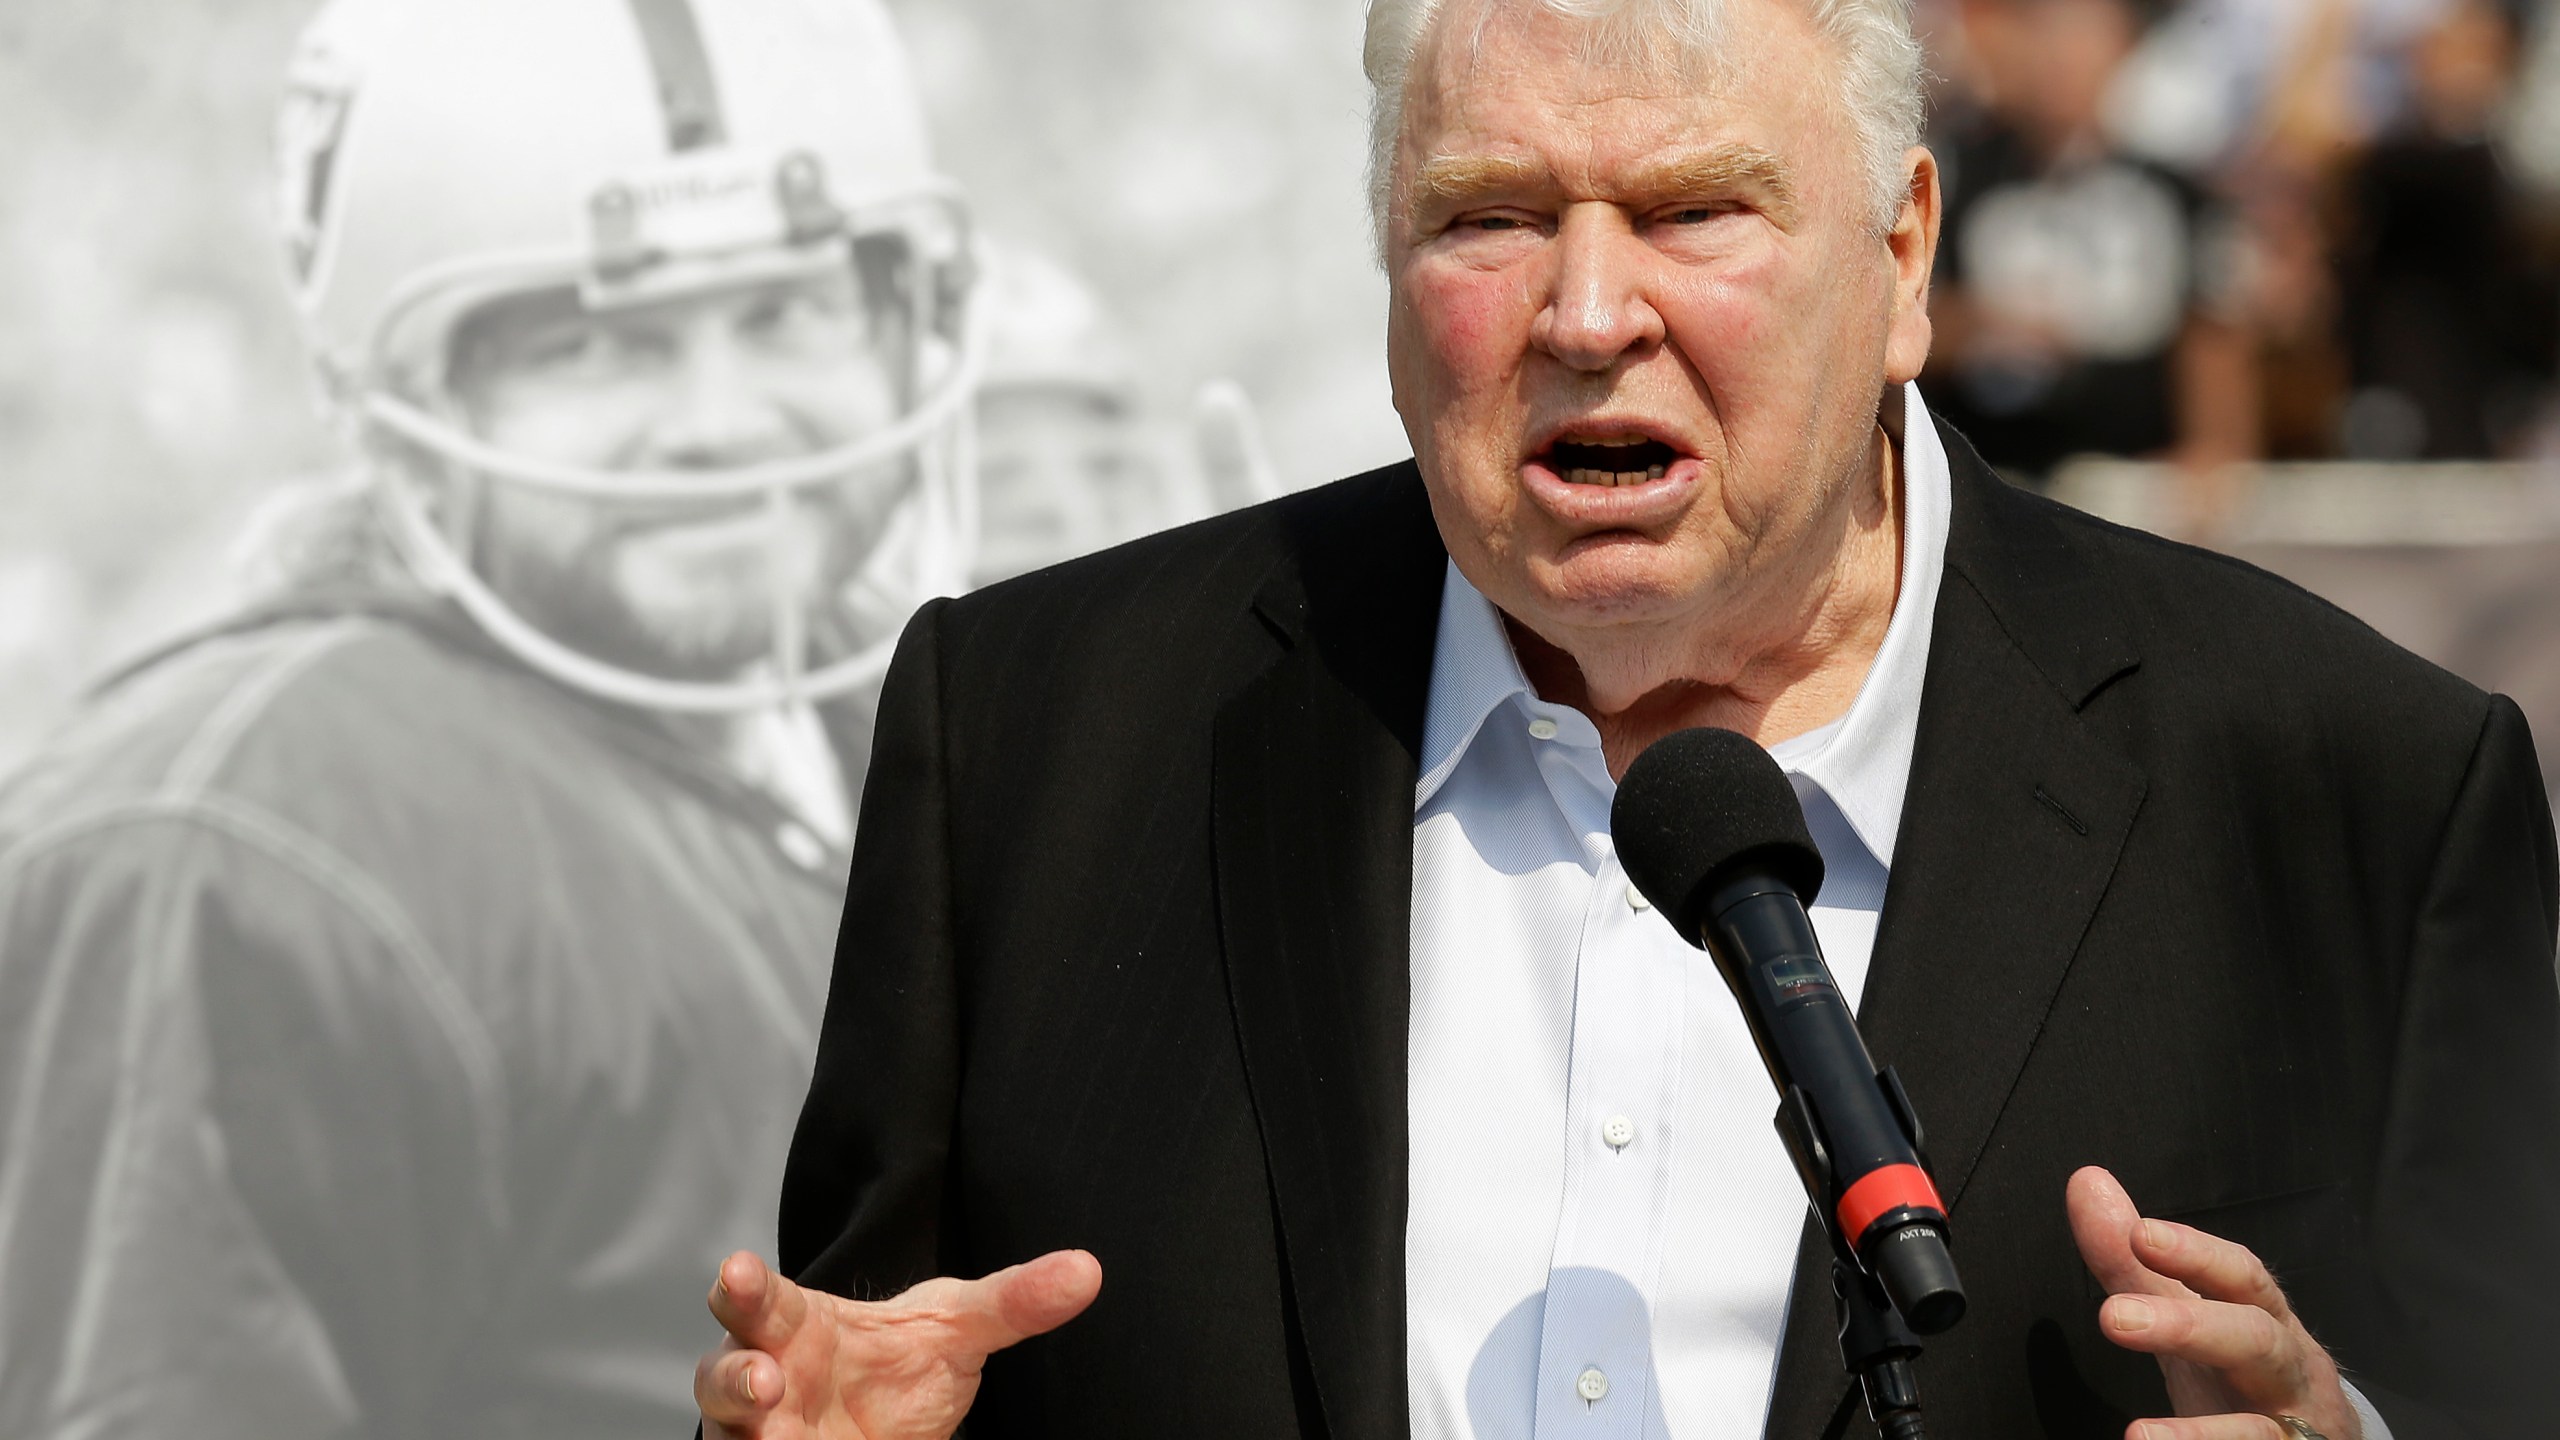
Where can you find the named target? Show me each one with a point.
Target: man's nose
(1597, 308)
(720, 411)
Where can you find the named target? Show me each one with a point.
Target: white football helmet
(439, 155)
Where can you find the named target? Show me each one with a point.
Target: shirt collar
(1473, 671)
(1862, 760)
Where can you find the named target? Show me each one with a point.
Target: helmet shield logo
(310, 125)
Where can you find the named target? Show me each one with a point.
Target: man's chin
(690, 649)
(1611, 580)
(665, 624)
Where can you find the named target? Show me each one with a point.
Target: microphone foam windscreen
(1696, 807)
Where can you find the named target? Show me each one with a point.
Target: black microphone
(1710, 830)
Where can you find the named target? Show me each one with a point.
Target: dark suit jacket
(2198, 879)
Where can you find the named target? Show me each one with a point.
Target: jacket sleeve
(864, 1190)
(238, 1156)
(2466, 1211)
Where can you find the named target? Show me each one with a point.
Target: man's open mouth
(1631, 460)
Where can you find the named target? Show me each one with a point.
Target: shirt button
(1635, 898)
(1618, 1132)
(1591, 1384)
(1542, 728)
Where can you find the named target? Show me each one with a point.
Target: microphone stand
(1876, 1345)
(1877, 1348)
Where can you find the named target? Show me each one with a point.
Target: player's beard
(690, 594)
(705, 594)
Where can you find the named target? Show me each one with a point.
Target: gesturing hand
(2230, 1347)
(801, 1364)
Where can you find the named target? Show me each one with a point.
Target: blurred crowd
(2226, 230)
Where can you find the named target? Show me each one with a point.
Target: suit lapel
(1313, 777)
(2011, 828)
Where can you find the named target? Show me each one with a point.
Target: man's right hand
(801, 1364)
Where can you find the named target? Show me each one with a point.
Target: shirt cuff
(2374, 1428)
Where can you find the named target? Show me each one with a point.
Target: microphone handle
(1849, 1127)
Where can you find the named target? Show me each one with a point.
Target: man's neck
(1788, 662)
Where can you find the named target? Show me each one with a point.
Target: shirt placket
(1595, 1355)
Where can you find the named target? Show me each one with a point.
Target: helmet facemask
(694, 572)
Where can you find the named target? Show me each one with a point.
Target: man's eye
(774, 312)
(566, 349)
(1494, 222)
(596, 350)
(1696, 214)
(802, 313)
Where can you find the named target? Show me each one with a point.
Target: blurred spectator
(2451, 311)
(398, 978)
(1068, 460)
(2086, 299)
(2531, 125)
(2215, 83)
(1063, 466)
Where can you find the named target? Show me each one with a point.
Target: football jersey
(392, 1043)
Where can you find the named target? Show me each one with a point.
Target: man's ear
(1913, 244)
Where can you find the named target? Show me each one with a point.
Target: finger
(2207, 1427)
(2213, 1267)
(1024, 1300)
(2102, 1221)
(1046, 1293)
(2254, 1350)
(755, 1304)
(734, 1387)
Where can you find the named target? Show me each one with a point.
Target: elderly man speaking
(1236, 915)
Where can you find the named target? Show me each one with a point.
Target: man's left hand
(2232, 1350)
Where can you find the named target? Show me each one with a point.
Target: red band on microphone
(1891, 1188)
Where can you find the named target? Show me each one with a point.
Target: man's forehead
(1508, 93)
(1632, 84)
(1500, 43)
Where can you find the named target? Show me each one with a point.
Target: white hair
(1878, 75)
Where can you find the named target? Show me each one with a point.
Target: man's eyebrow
(1454, 180)
(1724, 170)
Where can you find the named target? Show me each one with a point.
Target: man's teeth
(1583, 475)
(1610, 460)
